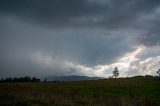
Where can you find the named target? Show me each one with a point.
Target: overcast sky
(79, 37)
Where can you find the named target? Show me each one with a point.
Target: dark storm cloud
(55, 13)
(81, 13)
(152, 34)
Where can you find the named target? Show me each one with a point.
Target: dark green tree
(158, 72)
(115, 72)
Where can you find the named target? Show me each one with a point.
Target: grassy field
(108, 92)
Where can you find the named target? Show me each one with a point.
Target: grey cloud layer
(89, 48)
(85, 13)
(86, 32)
(21, 42)
(108, 15)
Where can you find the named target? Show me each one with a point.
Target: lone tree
(158, 72)
(115, 72)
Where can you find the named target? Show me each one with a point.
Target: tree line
(20, 79)
(34, 79)
(116, 73)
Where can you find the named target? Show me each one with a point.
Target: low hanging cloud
(84, 37)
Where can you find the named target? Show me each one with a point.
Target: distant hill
(72, 78)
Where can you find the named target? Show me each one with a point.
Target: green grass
(109, 92)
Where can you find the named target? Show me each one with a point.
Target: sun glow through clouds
(129, 64)
(123, 63)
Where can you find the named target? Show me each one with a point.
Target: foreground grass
(109, 92)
